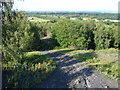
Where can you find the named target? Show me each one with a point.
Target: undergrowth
(104, 61)
(35, 68)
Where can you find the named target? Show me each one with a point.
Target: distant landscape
(98, 15)
(59, 49)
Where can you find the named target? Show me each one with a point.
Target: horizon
(77, 11)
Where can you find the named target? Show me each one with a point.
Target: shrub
(27, 74)
(105, 36)
(74, 33)
(85, 34)
(16, 38)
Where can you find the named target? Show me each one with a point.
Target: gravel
(72, 74)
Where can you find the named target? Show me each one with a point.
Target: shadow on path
(71, 73)
(66, 71)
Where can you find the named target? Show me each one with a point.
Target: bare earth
(72, 74)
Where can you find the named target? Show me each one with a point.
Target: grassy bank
(104, 61)
(35, 68)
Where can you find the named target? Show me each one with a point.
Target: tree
(16, 35)
(74, 33)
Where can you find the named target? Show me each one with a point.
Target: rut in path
(71, 73)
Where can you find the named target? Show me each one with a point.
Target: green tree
(74, 33)
(16, 35)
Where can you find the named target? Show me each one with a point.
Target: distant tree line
(97, 15)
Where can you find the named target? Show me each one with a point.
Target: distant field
(35, 19)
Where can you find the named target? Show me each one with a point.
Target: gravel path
(72, 74)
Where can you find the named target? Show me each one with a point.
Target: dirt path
(70, 73)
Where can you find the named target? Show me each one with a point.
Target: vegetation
(35, 19)
(24, 67)
(85, 34)
(105, 61)
(98, 15)
(34, 68)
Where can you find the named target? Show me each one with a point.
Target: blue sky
(66, 5)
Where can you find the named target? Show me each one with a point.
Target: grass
(62, 50)
(35, 68)
(104, 61)
(35, 19)
(110, 51)
(84, 56)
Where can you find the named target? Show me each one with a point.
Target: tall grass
(35, 68)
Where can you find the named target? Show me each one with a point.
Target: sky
(66, 5)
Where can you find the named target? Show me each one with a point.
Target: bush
(85, 34)
(105, 36)
(16, 38)
(27, 74)
(74, 33)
